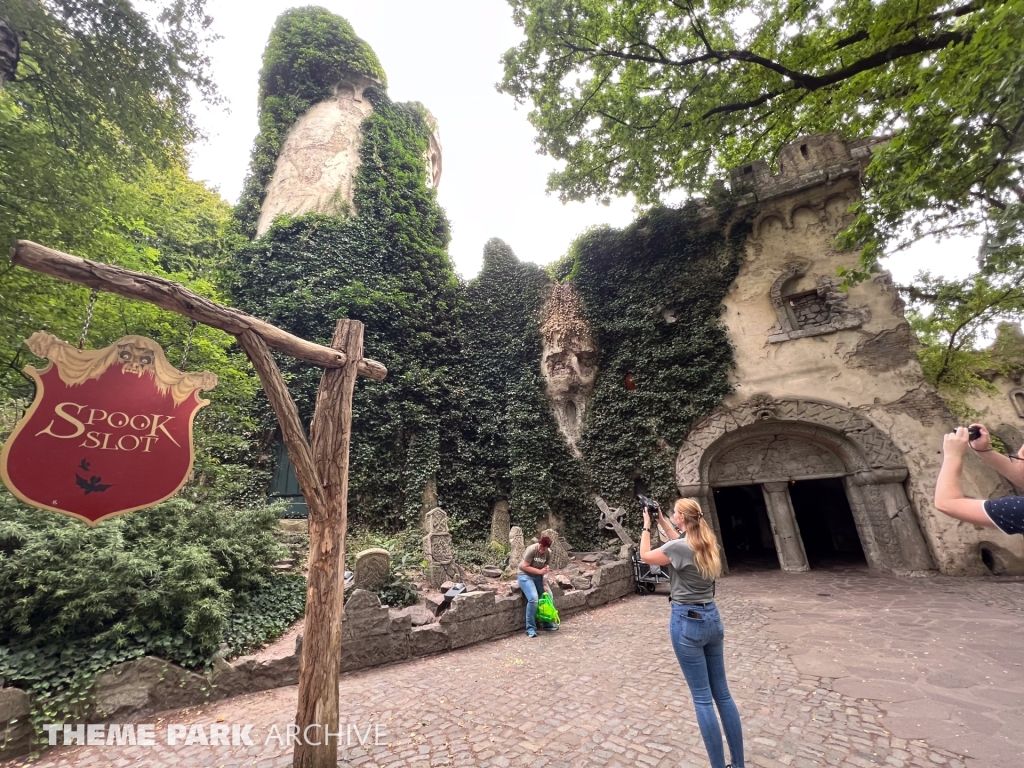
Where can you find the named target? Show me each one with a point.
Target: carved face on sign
(136, 359)
(109, 430)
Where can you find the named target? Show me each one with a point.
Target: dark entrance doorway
(746, 530)
(826, 523)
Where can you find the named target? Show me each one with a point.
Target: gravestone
(373, 569)
(558, 558)
(440, 550)
(518, 547)
(500, 522)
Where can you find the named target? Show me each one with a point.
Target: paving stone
(903, 673)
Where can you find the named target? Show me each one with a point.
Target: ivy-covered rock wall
(510, 447)
(653, 295)
(462, 419)
(310, 49)
(387, 267)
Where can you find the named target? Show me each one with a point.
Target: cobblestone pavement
(829, 668)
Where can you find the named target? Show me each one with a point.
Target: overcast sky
(445, 54)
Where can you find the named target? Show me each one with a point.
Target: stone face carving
(773, 457)
(373, 569)
(319, 157)
(559, 557)
(811, 313)
(500, 522)
(518, 547)
(439, 549)
(568, 360)
(433, 157)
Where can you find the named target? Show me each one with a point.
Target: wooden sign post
(321, 463)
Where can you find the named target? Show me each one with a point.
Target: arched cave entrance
(826, 523)
(746, 528)
(829, 483)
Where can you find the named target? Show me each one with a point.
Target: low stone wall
(372, 635)
(15, 729)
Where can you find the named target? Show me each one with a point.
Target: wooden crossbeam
(176, 298)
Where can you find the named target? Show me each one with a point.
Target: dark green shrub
(400, 591)
(165, 581)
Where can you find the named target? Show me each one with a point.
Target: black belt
(701, 605)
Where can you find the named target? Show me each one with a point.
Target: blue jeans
(532, 586)
(699, 646)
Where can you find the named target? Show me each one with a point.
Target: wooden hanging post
(321, 467)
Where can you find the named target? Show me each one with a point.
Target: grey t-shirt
(534, 558)
(685, 581)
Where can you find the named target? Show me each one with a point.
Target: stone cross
(440, 550)
(373, 569)
(610, 520)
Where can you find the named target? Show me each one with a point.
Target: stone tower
(829, 393)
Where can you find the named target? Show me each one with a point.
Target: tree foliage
(649, 96)
(109, 80)
(954, 321)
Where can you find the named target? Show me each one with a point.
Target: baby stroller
(648, 577)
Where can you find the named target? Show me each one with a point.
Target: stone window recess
(1017, 400)
(812, 313)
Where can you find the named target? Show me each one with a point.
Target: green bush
(482, 553)
(165, 581)
(406, 552)
(406, 546)
(400, 591)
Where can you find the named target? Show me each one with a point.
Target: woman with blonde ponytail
(696, 629)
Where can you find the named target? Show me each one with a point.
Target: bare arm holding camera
(648, 555)
(1006, 514)
(670, 531)
(1011, 469)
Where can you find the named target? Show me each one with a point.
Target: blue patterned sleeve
(1007, 513)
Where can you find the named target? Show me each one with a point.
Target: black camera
(974, 432)
(649, 504)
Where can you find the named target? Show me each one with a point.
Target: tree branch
(171, 296)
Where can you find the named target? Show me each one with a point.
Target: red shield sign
(109, 430)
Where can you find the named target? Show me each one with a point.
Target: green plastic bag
(546, 610)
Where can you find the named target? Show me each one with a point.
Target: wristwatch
(647, 529)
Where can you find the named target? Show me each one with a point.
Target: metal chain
(88, 318)
(188, 343)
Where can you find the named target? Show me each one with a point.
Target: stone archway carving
(769, 442)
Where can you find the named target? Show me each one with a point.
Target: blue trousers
(699, 645)
(532, 586)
